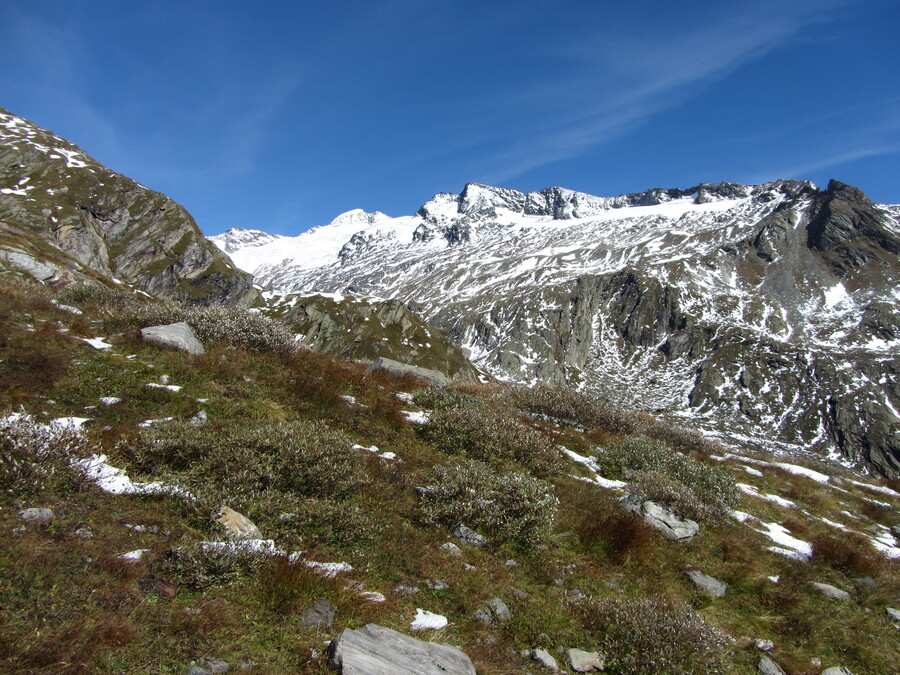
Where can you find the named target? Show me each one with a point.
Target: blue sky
(282, 115)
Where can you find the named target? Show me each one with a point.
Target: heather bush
(689, 486)
(102, 296)
(508, 506)
(251, 467)
(201, 566)
(335, 523)
(566, 405)
(657, 636)
(478, 431)
(232, 326)
(35, 458)
(442, 398)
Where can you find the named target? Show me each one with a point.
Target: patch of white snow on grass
(134, 556)
(426, 620)
(170, 387)
(877, 488)
(796, 548)
(754, 491)
(97, 343)
(594, 468)
(416, 416)
(115, 481)
(110, 400)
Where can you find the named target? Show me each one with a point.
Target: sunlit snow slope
(768, 312)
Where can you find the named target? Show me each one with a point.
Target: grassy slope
(68, 605)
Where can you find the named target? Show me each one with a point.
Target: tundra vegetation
(322, 456)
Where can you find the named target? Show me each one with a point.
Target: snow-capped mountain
(768, 311)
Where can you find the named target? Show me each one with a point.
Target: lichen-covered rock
(432, 376)
(585, 662)
(662, 518)
(709, 585)
(375, 650)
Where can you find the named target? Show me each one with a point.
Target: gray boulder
(543, 657)
(468, 536)
(893, 613)
(660, 517)
(433, 376)
(320, 613)
(585, 662)
(495, 611)
(832, 591)
(768, 667)
(375, 650)
(36, 515)
(176, 335)
(709, 585)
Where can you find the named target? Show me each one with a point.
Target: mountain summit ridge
(767, 312)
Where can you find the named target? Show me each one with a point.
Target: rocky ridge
(64, 217)
(768, 311)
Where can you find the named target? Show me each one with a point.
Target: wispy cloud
(623, 82)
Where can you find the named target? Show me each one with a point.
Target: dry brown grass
(848, 552)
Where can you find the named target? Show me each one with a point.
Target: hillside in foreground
(358, 482)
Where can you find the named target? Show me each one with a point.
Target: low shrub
(259, 468)
(202, 566)
(102, 296)
(657, 636)
(35, 458)
(478, 431)
(509, 506)
(441, 398)
(337, 524)
(567, 405)
(681, 482)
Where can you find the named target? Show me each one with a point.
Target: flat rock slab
(832, 591)
(662, 518)
(176, 335)
(433, 376)
(375, 650)
(709, 585)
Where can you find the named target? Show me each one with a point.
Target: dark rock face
(63, 210)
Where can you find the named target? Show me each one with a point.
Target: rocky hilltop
(768, 311)
(64, 217)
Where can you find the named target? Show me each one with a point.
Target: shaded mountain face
(767, 314)
(65, 217)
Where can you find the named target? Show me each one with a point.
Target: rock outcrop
(65, 217)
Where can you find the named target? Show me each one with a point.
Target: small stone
(709, 585)
(199, 420)
(406, 589)
(483, 614)
(499, 609)
(585, 662)
(320, 614)
(832, 592)
(437, 584)
(214, 665)
(837, 670)
(765, 645)
(237, 525)
(36, 515)
(19, 529)
(452, 549)
(893, 613)
(468, 536)
(511, 563)
(577, 594)
(520, 594)
(469, 568)
(197, 670)
(164, 379)
(768, 667)
(864, 581)
(543, 657)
